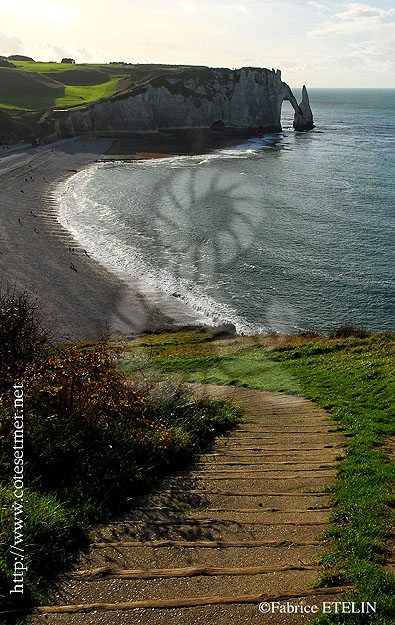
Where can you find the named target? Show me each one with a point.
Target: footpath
(241, 527)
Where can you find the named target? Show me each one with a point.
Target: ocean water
(285, 232)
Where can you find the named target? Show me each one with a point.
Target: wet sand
(80, 301)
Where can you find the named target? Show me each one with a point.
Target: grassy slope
(44, 85)
(91, 83)
(354, 380)
(23, 90)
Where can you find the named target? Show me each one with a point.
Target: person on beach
(19, 221)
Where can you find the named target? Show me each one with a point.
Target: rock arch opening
(303, 116)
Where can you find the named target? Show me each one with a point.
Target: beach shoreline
(80, 298)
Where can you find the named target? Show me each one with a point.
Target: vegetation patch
(43, 86)
(79, 77)
(23, 90)
(93, 438)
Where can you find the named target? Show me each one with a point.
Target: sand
(90, 300)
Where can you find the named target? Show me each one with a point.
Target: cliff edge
(248, 98)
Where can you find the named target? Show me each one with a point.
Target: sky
(317, 43)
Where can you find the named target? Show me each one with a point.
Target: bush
(347, 330)
(22, 336)
(93, 438)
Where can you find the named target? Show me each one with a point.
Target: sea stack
(303, 119)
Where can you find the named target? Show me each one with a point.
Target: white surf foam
(103, 236)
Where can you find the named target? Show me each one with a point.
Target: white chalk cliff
(244, 98)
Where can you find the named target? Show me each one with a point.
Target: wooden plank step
(267, 453)
(243, 463)
(241, 510)
(237, 475)
(234, 493)
(282, 431)
(209, 544)
(199, 571)
(263, 449)
(203, 474)
(197, 521)
(188, 602)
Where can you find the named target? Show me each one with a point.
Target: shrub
(347, 330)
(93, 438)
(22, 336)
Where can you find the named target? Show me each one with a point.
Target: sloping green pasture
(41, 86)
(35, 86)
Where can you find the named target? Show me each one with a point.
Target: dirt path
(243, 525)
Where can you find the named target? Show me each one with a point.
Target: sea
(286, 232)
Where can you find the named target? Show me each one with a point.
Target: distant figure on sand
(72, 266)
(19, 221)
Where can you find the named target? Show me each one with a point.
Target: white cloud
(320, 7)
(10, 45)
(358, 11)
(356, 19)
(47, 51)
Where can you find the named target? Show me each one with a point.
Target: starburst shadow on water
(204, 224)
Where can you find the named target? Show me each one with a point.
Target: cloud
(320, 7)
(358, 11)
(53, 52)
(356, 18)
(10, 45)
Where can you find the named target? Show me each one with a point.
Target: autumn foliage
(93, 438)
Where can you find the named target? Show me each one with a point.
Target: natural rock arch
(303, 118)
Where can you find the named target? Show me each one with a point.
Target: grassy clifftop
(34, 86)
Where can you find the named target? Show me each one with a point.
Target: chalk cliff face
(245, 98)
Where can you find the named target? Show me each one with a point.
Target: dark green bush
(348, 330)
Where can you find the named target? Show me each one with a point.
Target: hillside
(35, 86)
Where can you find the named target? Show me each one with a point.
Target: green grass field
(42, 86)
(35, 86)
